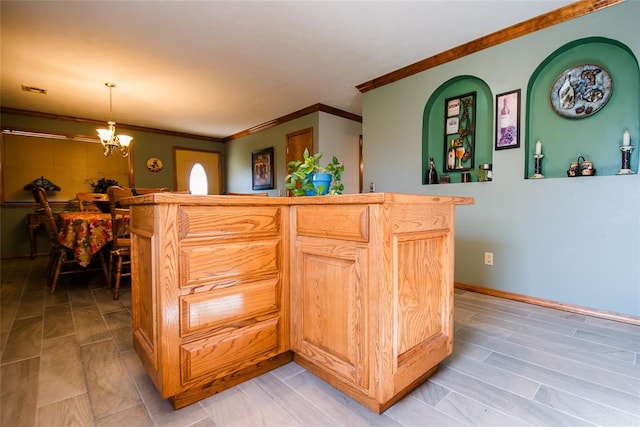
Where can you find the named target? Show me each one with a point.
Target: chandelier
(111, 142)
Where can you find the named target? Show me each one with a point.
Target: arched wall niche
(433, 124)
(596, 137)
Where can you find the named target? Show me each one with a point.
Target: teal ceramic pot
(321, 184)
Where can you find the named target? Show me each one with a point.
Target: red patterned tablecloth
(85, 233)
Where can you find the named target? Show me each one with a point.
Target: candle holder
(537, 168)
(625, 168)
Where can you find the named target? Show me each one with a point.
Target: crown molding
(295, 115)
(252, 130)
(563, 14)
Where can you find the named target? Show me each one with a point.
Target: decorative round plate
(581, 91)
(154, 164)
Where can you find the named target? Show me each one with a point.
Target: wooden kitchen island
(358, 289)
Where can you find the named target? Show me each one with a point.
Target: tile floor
(67, 360)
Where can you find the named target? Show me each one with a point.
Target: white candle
(626, 138)
(538, 147)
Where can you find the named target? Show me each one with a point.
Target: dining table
(86, 233)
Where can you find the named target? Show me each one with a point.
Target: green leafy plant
(298, 181)
(101, 185)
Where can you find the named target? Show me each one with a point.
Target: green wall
(13, 228)
(161, 146)
(592, 137)
(433, 144)
(238, 154)
(575, 241)
(332, 134)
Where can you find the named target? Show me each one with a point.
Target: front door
(186, 159)
(297, 142)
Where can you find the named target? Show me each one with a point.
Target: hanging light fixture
(111, 142)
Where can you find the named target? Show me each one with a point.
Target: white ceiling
(216, 68)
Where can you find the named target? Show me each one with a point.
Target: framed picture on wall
(507, 120)
(460, 131)
(262, 169)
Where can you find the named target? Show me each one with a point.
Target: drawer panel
(222, 354)
(228, 221)
(413, 218)
(350, 222)
(212, 309)
(232, 260)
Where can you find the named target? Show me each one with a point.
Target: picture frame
(453, 107)
(262, 169)
(507, 120)
(459, 132)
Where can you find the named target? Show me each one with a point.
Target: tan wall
(67, 163)
(13, 228)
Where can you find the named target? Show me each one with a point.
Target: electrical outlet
(372, 187)
(488, 258)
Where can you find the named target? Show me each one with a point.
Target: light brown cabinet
(330, 264)
(359, 288)
(372, 293)
(210, 294)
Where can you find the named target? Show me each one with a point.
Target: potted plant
(101, 185)
(307, 177)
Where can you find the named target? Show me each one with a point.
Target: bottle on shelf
(451, 157)
(432, 174)
(505, 117)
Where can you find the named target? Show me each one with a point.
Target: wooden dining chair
(89, 201)
(137, 191)
(120, 255)
(60, 256)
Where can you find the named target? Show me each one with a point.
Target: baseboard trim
(609, 315)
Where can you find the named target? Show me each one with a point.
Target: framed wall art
(154, 164)
(460, 130)
(507, 128)
(581, 91)
(262, 169)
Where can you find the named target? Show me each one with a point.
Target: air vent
(33, 89)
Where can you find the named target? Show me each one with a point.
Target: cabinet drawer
(350, 222)
(208, 222)
(415, 218)
(222, 354)
(212, 309)
(226, 261)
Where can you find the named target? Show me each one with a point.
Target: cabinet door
(329, 306)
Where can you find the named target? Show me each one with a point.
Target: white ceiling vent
(34, 89)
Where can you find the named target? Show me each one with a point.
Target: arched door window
(185, 166)
(198, 180)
